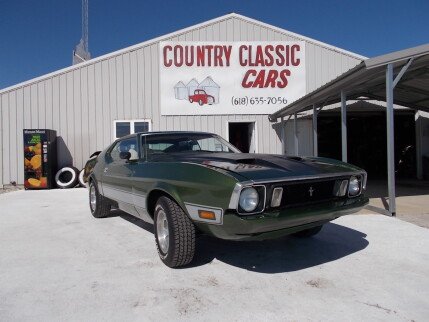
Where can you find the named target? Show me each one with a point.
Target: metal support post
(295, 135)
(283, 135)
(390, 139)
(315, 149)
(343, 126)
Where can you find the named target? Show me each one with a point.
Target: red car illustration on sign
(201, 97)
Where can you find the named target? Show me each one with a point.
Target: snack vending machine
(40, 158)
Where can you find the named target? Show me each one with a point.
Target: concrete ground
(57, 262)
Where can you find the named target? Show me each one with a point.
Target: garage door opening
(242, 135)
(366, 141)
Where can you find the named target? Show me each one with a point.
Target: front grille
(296, 193)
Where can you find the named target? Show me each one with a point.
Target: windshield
(185, 143)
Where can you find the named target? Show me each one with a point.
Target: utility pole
(81, 51)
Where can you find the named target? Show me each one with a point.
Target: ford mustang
(191, 183)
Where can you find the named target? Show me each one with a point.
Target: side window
(212, 144)
(158, 147)
(128, 145)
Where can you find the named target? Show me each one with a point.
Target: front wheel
(308, 232)
(98, 205)
(174, 233)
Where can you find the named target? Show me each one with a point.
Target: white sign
(202, 78)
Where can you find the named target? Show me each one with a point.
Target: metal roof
(368, 79)
(169, 36)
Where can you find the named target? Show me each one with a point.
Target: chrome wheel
(162, 230)
(92, 197)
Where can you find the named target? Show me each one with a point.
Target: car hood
(259, 167)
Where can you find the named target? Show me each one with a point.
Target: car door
(118, 174)
(140, 184)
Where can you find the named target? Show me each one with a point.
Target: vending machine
(40, 158)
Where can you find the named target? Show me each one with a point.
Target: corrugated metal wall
(81, 104)
(305, 137)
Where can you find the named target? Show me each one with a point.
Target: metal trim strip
(128, 196)
(320, 176)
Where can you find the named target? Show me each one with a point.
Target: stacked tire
(82, 183)
(70, 177)
(67, 177)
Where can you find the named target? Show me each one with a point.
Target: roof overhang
(368, 79)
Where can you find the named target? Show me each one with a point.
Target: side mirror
(125, 155)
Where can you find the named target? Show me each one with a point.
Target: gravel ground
(57, 262)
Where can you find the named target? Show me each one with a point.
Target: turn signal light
(276, 198)
(340, 188)
(205, 214)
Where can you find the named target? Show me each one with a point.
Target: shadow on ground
(134, 220)
(285, 254)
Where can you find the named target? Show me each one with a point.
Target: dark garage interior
(366, 141)
(239, 135)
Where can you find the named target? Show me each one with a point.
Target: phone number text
(261, 100)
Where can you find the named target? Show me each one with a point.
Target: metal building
(92, 103)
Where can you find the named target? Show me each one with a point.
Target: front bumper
(284, 222)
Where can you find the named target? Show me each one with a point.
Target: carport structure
(400, 77)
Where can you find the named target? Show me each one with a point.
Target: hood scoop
(258, 162)
(295, 158)
(246, 161)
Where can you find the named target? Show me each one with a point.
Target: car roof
(163, 132)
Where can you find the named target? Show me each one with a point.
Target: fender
(167, 189)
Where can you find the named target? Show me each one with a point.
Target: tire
(98, 205)
(201, 102)
(67, 177)
(174, 233)
(191, 100)
(80, 178)
(308, 232)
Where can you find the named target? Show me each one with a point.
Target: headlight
(249, 199)
(354, 187)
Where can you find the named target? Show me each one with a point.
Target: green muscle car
(188, 183)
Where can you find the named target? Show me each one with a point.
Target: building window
(124, 127)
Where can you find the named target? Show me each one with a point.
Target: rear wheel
(308, 232)
(98, 205)
(174, 233)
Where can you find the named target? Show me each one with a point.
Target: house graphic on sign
(181, 91)
(206, 92)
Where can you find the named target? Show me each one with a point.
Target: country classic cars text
(267, 65)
